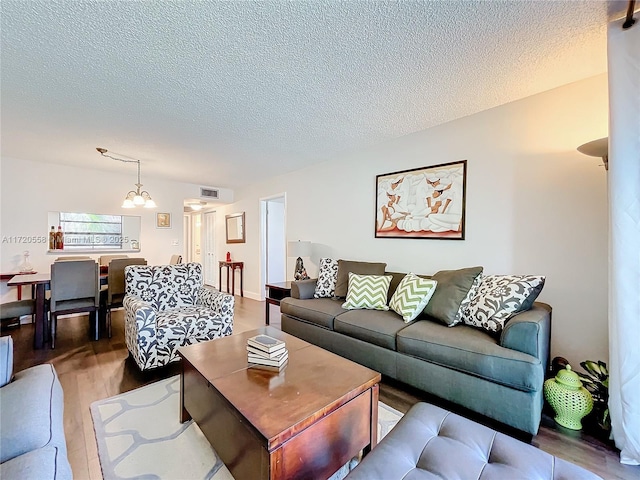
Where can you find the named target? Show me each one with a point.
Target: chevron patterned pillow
(367, 291)
(411, 296)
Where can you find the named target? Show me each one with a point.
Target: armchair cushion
(46, 462)
(165, 287)
(186, 326)
(27, 422)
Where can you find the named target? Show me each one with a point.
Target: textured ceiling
(228, 93)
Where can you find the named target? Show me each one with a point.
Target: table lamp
(299, 249)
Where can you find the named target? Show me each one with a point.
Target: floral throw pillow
(411, 296)
(473, 291)
(367, 291)
(327, 276)
(500, 297)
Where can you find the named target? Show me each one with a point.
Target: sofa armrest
(220, 303)
(6, 360)
(530, 332)
(303, 289)
(139, 314)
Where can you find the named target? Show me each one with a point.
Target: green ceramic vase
(568, 398)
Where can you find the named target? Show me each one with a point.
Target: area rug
(140, 436)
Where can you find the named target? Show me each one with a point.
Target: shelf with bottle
(56, 238)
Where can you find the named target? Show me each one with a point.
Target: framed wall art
(163, 220)
(427, 202)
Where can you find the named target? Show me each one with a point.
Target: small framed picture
(163, 220)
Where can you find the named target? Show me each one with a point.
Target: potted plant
(596, 381)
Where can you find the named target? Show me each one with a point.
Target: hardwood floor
(91, 371)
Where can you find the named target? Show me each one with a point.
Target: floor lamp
(299, 249)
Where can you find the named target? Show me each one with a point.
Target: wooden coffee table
(303, 422)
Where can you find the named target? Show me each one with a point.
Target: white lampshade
(138, 200)
(150, 204)
(128, 203)
(299, 248)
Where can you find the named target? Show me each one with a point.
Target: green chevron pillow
(411, 296)
(367, 291)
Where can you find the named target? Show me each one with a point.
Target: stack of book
(267, 352)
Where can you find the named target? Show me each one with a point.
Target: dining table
(41, 281)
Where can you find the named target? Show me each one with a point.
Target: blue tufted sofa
(32, 443)
(430, 443)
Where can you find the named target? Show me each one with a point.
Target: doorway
(209, 249)
(196, 238)
(186, 238)
(274, 244)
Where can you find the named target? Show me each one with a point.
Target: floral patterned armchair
(167, 307)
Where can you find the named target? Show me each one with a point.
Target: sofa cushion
(367, 291)
(48, 462)
(373, 326)
(499, 297)
(327, 276)
(361, 268)
(319, 311)
(32, 407)
(411, 296)
(453, 287)
(473, 351)
(432, 443)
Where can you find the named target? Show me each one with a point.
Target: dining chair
(75, 257)
(175, 259)
(104, 260)
(16, 309)
(74, 289)
(112, 294)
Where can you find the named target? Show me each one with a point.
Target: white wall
(31, 189)
(534, 206)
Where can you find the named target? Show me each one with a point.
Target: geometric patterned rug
(140, 436)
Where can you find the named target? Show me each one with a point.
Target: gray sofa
(32, 442)
(500, 377)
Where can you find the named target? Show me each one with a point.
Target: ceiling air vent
(209, 193)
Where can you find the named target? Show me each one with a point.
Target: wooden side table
(233, 266)
(275, 293)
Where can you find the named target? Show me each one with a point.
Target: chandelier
(135, 198)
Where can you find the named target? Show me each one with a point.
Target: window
(91, 231)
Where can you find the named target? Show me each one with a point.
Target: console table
(233, 266)
(275, 293)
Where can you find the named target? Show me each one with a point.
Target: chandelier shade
(135, 198)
